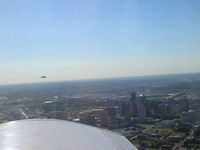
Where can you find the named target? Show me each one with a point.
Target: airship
(43, 76)
(54, 134)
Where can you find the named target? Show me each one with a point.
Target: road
(23, 113)
(181, 143)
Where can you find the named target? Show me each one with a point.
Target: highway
(23, 113)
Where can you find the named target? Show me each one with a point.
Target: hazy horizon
(103, 78)
(73, 40)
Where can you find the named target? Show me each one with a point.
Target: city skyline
(72, 40)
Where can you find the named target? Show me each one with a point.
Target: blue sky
(76, 39)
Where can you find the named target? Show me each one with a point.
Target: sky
(88, 39)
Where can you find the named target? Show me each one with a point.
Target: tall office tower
(141, 109)
(183, 105)
(126, 111)
(133, 104)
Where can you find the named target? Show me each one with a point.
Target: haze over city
(70, 40)
(128, 66)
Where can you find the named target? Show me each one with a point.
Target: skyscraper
(183, 105)
(141, 109)
(126, 111)
(133, 104)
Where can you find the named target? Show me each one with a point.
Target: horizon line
(103, 78)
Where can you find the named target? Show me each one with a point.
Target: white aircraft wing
(52, 134)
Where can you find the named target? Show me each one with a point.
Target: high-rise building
(141, 109)
(133, 104)
(112, 110)
(183, 105)
(126, 111)
(192, 116)
(104, 119)
(133, 97)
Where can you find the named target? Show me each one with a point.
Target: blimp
(43, 77)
